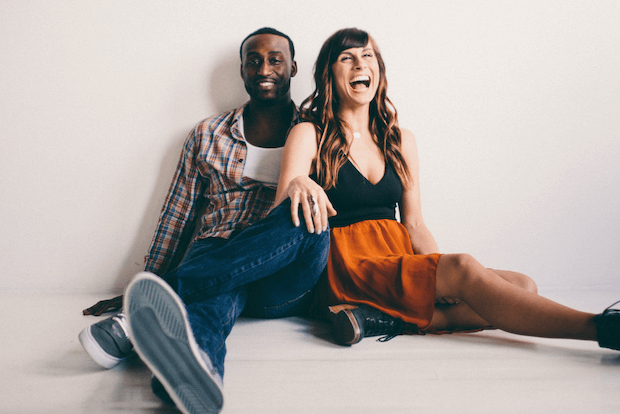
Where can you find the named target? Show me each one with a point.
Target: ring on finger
(313, 205)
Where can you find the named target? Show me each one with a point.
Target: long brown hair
(321, 108)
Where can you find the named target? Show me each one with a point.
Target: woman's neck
(357, 118)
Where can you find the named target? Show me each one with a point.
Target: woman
(364, 164)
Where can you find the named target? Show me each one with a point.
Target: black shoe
(107, 341)
(608, 328)
(351, 325)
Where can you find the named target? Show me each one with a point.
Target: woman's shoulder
(304, 131)
(407, 138)
(406, 134)
(304, 128)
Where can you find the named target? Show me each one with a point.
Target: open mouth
(360, 82)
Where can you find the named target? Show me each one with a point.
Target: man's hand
(102, 306)
(315, 205)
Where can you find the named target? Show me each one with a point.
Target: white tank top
(261, 164)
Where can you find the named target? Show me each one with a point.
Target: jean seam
(246, 268)
(282, 305)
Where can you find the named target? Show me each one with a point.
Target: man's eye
(275, 61)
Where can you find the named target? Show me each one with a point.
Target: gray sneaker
(107, 341)
(161, 334)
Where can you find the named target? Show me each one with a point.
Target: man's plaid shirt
(209, 176)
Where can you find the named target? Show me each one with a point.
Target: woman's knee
(518, 279)
(529, 284)
(453, 272)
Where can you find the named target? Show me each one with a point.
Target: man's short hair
(268, 30)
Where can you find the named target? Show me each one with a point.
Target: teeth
(360, 82)
(361, 78)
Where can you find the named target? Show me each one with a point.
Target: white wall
(515, 104)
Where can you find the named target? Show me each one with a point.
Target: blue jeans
(268, 271)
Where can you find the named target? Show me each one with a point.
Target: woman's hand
(447, 301)
(315, 205)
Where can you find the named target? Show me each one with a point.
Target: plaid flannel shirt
(209, 180)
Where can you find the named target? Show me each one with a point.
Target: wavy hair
(321, 108)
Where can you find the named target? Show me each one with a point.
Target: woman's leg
(518, 279)
(460, 315)
(504, 305)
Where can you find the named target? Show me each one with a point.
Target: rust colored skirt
(372, 262)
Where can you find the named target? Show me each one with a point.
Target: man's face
(267, 67)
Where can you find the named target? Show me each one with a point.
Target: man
(243, 259)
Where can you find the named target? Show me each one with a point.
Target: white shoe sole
(95, 351)
(160, 332)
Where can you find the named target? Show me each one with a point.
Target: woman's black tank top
(357, 199)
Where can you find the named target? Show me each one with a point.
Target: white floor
(290, 366)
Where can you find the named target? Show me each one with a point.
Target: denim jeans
(268, 270)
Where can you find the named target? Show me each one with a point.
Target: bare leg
(460, 315)
(518, 279)
(507, 306)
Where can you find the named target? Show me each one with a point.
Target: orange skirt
(372, 262)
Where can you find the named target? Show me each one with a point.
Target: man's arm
(179, 209)
(176, 222)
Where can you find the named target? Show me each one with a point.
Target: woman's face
(356, 76)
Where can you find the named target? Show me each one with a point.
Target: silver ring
(313, 206)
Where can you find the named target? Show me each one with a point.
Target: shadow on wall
(225, 92)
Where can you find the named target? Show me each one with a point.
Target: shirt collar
(238, 121)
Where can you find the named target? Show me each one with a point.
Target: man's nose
(265, 69)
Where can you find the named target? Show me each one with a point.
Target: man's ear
(293, 69)
(241, 70)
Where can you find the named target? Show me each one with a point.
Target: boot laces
(380, 325)
(610, 306)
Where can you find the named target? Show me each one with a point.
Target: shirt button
(240, 160)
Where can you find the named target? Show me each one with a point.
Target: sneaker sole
(346, 328)
(95, 351)
(161, 335)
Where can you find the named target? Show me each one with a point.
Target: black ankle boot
(608, 328)
(352, 325)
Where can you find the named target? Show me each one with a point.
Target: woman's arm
(410, 204)
(299, 153)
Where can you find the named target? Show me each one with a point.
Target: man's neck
(267, 125)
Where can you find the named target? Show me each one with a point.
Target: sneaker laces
(122, 322)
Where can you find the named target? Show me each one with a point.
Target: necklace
(357, 135)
